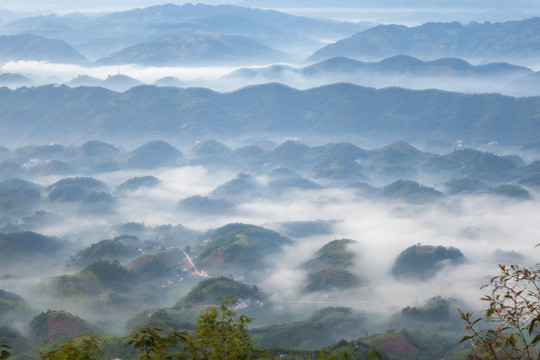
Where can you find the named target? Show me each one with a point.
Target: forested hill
(60, 114)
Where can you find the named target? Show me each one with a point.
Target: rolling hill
(493, 41)
(56, 114)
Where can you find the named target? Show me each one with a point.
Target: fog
(227, 78)
(478, 225)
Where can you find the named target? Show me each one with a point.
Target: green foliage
(135, 183)
(110, 274)
(307, 228)
(410, 191)
(435, 309)
(53, 326)
(82, 348)
(74, 189)
(329, 279)
(324, 327)
(152, 344)
(334, 255)
(474, 164)
(96, 203)
(511, 191)
(161, 264)
(424, 261)
(511, 323)
(221, 334)
(5, 350)
(18, 195)
(242, 187)
(153, 155)
(204, 205)
(27, 244)
(241, 246)
(102, 250)
(213, 290)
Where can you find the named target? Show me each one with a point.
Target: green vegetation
(153, 155)
(331, 109)
(27, 244)
(161, 264)
(509, 327)
(474, 164)
(511, 191)
(242, 187)
(10, 302)
(115, 249)
(96, 203)
(219, 334)
(97, 278)
(239, 246)
(334, 255)
(411, 191)
(203, 205)
(329, 279)
(212, 291)
(323, 328)
(56, 326)
(307, 228)
(135, 183)
(465, 186)
(82, 348)
(424, 261)
(17, 195)
(5, 350)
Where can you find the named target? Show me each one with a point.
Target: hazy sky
(63, 6)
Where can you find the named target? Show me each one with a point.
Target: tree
(220, 335)
(84, 348)
(153, 345)
(511, 325)
(5, 350)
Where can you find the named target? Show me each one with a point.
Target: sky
(66, 6)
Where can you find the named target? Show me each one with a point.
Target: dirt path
(195, 270)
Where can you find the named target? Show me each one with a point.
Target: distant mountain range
(395, 65)
(34, 47)
(506, 41)
(195, 49)
(401, 70)
(103, 35)
(390, 3)
(57, 114)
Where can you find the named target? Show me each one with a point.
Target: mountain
(239, 247)
(51, 114)
(431, 4)
(153, 155)
(56, 326)
(422, 262)
(493, 41)
(195, 49)
(214, 290)
(410, 191)
(102, 35)
(394, 65)
(119, 82)
(84, 80)
(169, 81)
(26, 246)
(39, 48)
(333, 255)
(12, 80)
(120, 248)
(137, 182)
(453, 74)
(323, 327)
